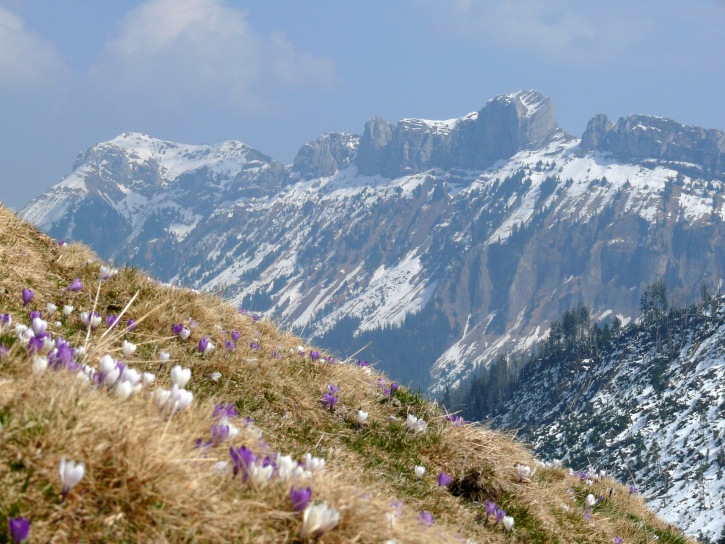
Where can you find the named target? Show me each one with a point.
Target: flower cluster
(415, 424)
(499, 515)
(330, 398)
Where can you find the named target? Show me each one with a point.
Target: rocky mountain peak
(638, 137)
(504, 126)
(326, 155)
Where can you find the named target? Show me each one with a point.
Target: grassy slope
(146, 481)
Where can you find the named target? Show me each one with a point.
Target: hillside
(646, 406)
(430, 245)
(157, 462)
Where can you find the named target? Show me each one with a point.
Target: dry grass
(146, 481)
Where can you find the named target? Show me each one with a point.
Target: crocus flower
(425, 518)
(179, 399)
(259, 475)
(618, 540)
(632, 490)
(185, 333)
(215, 376)
(51, 308)
(444, 480)
(164, 356)
(499, 514)
(318, 519)
(19, 529)
(39, 364)
(131, 325)
(300, 498)
(254, 345)
(225, 409)
(176, 328)
(229, 345)
(67, 310)
(394, 386)
(111, 321)
(411, 421)
(419, 471)
(75, 285)
(28, 295)
(508, 523)
(180, 376)
(123, 390)
(590, 501)
(219, 433)
(39, 326)
(203, 344)
(242, 458)
(128, 348)
(313, 464)
(524, 472)
(362, 417)
(490, 508)
(236, 335)
(314, 355)
(70, 474)
(329, 399)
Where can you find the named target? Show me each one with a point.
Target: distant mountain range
(431, 246)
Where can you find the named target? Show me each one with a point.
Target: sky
(276, 74)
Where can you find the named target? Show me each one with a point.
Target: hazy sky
(276, 74)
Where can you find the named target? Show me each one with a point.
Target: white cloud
(176, 51)
(555, 30)
(26, 59)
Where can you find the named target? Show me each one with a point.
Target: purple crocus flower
(229, 345)
(111, 321)
(329, 399)
(131, 325)
(499, 514)
(236, 335)
(28, 295)
(203, 344)
(444, 480)
(490, 508)
(254, 345)
(394, 386)
(426, 518)
(75, 285)
(632, 490)
(315, 355)
(363, 363)
(35, 344)
(225, 409)
(275, 355)
(242, 459)
(176, 328)
(19, 529)
(4, 352)
(300, 498)
(34, 314)
(617, 540)
(255, 317)
(219, 434)
(331, 388)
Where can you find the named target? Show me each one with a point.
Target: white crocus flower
(39, 364)
(215, 376)
(51, 308)
(313, 464)
(362, 417)
(148, 378)
(524, 471)
(164, 356)
(590, 501)
(67, 310)
(80, 350)
(128, 348)
(411, 421)
(106, 364)
(260, 475)
(180, 399)
(317, 519)
(162, 396)
(508, 522)
(420, 426)
(180, 376)
(185, 333)
(419, 471)
(124, 390)
(70, 474)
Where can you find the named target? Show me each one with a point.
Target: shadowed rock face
(649, 137)
(323, 157)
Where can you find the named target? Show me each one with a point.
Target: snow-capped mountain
(436, 244)
(648, 409)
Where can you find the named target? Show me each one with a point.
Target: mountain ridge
(480, 257)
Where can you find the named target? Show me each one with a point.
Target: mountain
(647, 407)
(426, 246)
